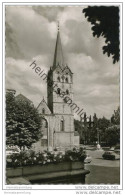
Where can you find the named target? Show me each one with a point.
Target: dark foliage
(115, 119)
(105, 22)
(79, 129)
(112, 134)
(22, 123)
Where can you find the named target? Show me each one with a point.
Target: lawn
(102, 171)
(103, 175)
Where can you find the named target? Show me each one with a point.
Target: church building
(57, 119)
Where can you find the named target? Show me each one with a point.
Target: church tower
(57, 120)
(60, 81)
(60, 86)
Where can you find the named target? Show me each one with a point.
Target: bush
(29, 157)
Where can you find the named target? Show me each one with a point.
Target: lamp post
(53, 139)
(98, 135)
(98, 138)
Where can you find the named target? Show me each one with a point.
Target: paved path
(102, 171)
(98, 160)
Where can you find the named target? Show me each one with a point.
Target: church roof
(58, 55)
(59, 62)
(43, 108)
(22, 98)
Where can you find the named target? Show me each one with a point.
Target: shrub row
(30, 157)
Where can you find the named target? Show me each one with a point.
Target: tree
(79, 129)
(105, 22)
(22, 123)
(93, 131)
(103, 124)
(115, 119)
(113, 135)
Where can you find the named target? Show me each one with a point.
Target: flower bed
(46, 167)
(29, 157)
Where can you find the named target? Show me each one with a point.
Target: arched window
(66, 80)
(67, 91)
(44, 123)
(58, 91)
(43, 111)
(58, 79)
(62, 124)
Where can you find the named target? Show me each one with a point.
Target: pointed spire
(58, 56)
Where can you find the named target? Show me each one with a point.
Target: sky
(31, 33)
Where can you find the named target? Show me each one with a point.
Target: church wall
(46, 141)
(63, 86)
(44, 108)
(68, 123)
(76, 140)
(56, 137)
(51, 130)
(61, 108)
(63, 139)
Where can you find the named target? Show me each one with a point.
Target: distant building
(22, 98)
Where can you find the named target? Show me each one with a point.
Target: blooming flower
(9, 160)
(45, 155)
(28, 157)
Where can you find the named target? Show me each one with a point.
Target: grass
(103, 175)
